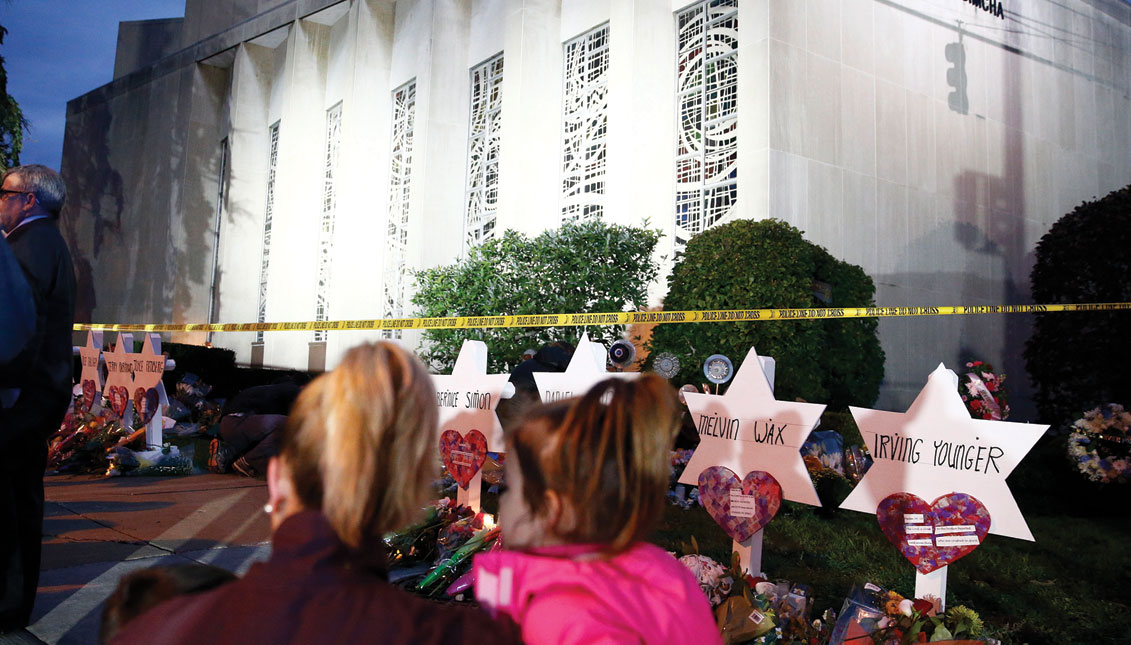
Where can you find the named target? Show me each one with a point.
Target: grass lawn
(1070, 586)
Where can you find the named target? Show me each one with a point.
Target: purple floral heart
(741, 508)
(932, 536)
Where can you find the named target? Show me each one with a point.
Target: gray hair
(48, 186)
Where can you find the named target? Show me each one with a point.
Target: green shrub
(768, 264)
(1079, 360)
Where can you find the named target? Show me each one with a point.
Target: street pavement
(97, 529)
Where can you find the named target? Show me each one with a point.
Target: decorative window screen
(400, 183)
(585, 112)
(706, 167)
(265, 258)
(329, 207)
(482, 197)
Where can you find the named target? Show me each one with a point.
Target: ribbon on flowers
(979, 389)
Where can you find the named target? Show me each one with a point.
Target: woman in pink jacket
(585, 484)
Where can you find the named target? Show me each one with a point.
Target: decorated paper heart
(146, 403)
(89, 390)
(119, 399)
(463, 456)
(932, 536)
(744, 507)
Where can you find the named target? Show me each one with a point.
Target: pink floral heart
(463, 456)
(741, 508)
(119, 399)
(933, 536)
(88, 392)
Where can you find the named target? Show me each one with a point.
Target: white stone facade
(834, 115)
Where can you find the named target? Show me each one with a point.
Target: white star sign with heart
(935, 448)
(467, 398)
(90, 381)
(747, 429)
(119, 386)
(586, 368)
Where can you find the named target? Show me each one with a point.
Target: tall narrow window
(268, 210)
(482, 197)
(329, 207)
(585, 112)
(706, 171)
(400, 184)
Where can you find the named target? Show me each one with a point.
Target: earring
(268, 508)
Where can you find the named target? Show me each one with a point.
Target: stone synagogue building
(285, 160)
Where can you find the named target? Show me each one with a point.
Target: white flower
(905, 607)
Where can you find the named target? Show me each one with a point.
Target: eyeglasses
(4, 192)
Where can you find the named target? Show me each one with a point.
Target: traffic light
(956, 78)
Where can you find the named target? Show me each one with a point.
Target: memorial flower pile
(915, 621)
(752, 609)
(1100, 444)
(884, 617)
(983, 391)
(81, 442)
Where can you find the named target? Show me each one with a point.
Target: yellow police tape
(619, 318)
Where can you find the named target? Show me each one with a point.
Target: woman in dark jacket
(356, 460)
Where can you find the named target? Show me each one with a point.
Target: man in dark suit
(17, 309)
(33, 396)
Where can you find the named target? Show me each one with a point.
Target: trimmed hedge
(1079, 360)
(749, 264)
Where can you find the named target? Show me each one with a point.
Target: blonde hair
(360, 442)
(607, 458)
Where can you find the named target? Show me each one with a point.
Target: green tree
(768, 264)
(12, 121)
(582, 267)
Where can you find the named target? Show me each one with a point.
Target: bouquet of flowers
(884, 617)
(1100, 444)
(915, 621)
(751, 609)
(418, 543)
(158, 462)
(80, 444)
(440, 578)
(983, 392)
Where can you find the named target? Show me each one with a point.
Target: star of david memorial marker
(586, 368)
(90, 379)
(120, 379)
(469, 427)
(938, 482)
(749, 455)
(148, 393)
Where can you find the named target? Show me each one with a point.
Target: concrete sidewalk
(97, 529)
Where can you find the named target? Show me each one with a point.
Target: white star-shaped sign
(935, 448)
(586, 368)
(149, 365)
(118, 388)
(747, 429)
(467, 398)
(90, 380)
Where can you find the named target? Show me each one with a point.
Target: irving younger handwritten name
(764, 431)
(959, 456)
